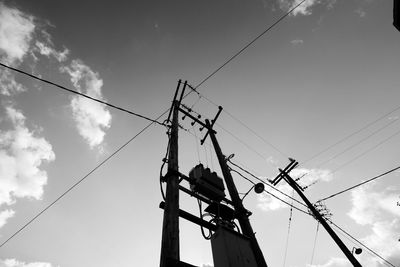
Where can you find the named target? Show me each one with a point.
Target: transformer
(206, 183)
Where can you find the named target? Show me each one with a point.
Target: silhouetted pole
(170, 231)
(319, 217)
(242, 213)
(396, 14)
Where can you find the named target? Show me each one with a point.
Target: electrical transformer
(207, 183)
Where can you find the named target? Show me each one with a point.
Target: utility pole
(242, 213)
(170, 231)
(396, 14)
(285, 175)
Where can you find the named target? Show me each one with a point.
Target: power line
(249, 44)
(314, 245)
(357, 143)
(369, 249)
(267, 184)
(81, 94)
(264, 140)
(357, 185)
(352, 134)
(78, 182)
(366, 151)
(287, 203)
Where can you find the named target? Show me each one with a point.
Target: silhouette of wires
(78, 182)
(81, 94)
(362, 183)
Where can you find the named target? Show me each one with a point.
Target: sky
(328, 72)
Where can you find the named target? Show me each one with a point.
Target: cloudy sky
(327, 73)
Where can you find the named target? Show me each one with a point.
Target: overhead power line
(362, 183)
(352, 134)
(274, 196)
(249, 44)
(355, 144)
(267, 184)
(81, 94)
(369, 249)
(77, 183)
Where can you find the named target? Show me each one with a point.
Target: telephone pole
(284, 174)
(241, 213)
(170, 231)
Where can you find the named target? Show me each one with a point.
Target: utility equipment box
(207, 183)
(231, 249)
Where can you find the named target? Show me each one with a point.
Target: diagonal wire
(369, 249)
(357, 143)
(287, 203)
(352, 134)
(366, 151)
(267, 184)
(315, 242)
(78, 182)
(362, 183)
(249, 44)
(81, 94)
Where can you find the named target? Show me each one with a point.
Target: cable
(287, 238)
(357, 185)
(365, 152)
(267, 184)
(362, 154)
(76, 184)
(315, 242)
(248, 45)
(287, 203)
(243, 124)
(357, 143)
(352, 134)
(165, 160)
(83, 95)
(369, 249)
(207, 237)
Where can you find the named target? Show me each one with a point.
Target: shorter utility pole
(284, 174)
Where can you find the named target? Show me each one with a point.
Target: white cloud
(47, 50)
(8, 85)
(16, 29)
(308, 177)
(333, 262)
(379, 211)
(369, 207)
(304, 8)
(22, 153)
(15, 263)
(360, 12)
(5, 215)
(92, 118)
(297, 42)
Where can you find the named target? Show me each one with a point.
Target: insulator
(184, 117)
(201, 129)
(199, 116)
(193, 123)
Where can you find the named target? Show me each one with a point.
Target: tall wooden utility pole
(396, 14)
(170, 231)
(242, 213)
(285, 175)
